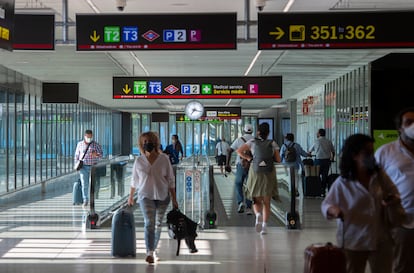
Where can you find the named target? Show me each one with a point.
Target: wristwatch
(194, 110)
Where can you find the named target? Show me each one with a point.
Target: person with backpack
(261, 181)
(241, 171)
(291, 153)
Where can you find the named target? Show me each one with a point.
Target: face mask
(88, 139)
(149, 147)
(409, 131)
(370, 163)
(286, 142)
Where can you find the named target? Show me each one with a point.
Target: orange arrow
(95, 37)
(126, 89)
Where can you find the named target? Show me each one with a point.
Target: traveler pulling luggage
(123, 241)
(77, 193)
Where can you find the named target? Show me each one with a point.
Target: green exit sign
(112, 34)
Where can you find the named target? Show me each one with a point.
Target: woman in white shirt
(153, 180)
(356, 200)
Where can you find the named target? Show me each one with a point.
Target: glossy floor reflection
(47, 236)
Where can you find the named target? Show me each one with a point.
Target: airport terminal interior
(202, 70)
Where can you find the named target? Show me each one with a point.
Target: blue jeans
(241, 176)
(153, 211)
(84, 175)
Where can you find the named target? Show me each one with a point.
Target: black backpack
(290, 153)
(263, 156)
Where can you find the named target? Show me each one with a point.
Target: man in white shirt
(397, 160)
(241, 173)
(324, 154)
(221, 154)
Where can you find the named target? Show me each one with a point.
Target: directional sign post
(335, 30)
(156, 31)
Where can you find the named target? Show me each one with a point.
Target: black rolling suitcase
(312, 186)
(123, 241)
(331, 177)
(312, 182)
(77, 193)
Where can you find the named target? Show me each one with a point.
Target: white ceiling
(301, 69)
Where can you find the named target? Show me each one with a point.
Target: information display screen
(197, 87)
(34, 32)
(336, 30)
(156, 31)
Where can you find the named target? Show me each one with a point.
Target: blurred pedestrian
(397, 159)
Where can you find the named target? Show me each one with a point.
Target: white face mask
(409, 131)
(88, 139)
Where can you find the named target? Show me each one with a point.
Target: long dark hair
(263, 130)
(353, 145)
(178, 145)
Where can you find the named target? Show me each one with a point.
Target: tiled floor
(47, 236)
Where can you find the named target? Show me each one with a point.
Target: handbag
(79, 163)
(394, 212)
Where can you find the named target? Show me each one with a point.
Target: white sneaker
(249, 211)
(259, 223)
(264, 231)
(156, 257)
(240, 209)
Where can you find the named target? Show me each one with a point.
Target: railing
(194, 189)
(287, 195)
(109, 188)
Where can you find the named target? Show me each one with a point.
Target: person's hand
(175, 203)
(131, 201)
(336, 212)
(390, 200)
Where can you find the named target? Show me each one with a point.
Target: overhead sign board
(335, 30)
(197, 87)
(156, 31)
(34, 32)
(221, 113)
(6, 24)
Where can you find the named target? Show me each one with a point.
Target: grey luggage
(123, 241)
(77, 193)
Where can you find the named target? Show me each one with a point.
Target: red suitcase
(324, 258)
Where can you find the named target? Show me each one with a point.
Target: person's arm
(242, 152)
(173, 197)
(276, 155)
(131, 200)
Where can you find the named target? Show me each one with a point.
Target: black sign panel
(197, 87)
(333, 30)
(213, 113)
(156, 31)
(34, 32)
(6, 24)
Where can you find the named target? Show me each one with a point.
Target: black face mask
(149, 147)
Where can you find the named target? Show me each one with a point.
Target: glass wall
(38, 140)
(197, 137)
